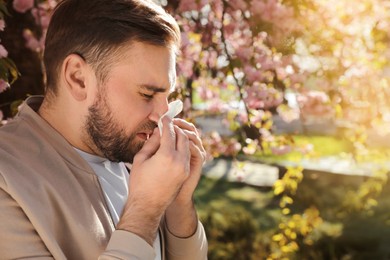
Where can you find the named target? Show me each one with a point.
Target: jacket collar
(28, 113)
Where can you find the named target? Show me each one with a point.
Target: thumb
(150, 147)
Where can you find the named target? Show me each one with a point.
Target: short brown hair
(95, 29)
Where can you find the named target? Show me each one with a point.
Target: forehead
(146, 64)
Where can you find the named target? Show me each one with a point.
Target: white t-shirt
(113, 178)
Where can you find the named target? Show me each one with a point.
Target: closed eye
(147, 96)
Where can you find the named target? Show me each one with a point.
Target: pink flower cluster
(42, 14)
(288, 114)
(4, 85)
(315, 103)
(2, 25)
(3, 52)
(23, 6)
(261, 96)
(280, 150)
(277, 14)
(32, 42)
(224, 54)
(216, 145)
(190, 5)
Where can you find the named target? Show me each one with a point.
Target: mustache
(147, 126)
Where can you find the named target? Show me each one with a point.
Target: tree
(239, 59)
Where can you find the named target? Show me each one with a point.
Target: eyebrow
(155, 89)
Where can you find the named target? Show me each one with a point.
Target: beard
(109, 137)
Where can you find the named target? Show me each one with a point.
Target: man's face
(128, 105)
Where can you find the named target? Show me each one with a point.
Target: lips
(145, 131)
(144, 135)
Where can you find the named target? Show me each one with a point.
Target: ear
(75, 73)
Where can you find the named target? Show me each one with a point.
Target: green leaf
(12, 71)
(15, 105)
(3, 8)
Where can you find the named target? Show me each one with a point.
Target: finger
(182, 142)
(168, 137)
(190, 131)
(150, 147)
(185, 125)
(195, 139)
(196, 152)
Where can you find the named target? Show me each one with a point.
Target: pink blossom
(281, 72)
(266, 135)
(205, 93)
(31, 42)
(288, 114)
(257, 117)
(244, 53)
(307, 148)
(280, 150)
(3, 52)
(314, 103)
(186, 68)
(217, 105)
(243, 117)
(187, 104)
(210, 58)
(260, 96)
(23, 6)
(232, 148)
(217, 7)
(42, 17)
(252, 74)
(52, 3)
(249, 150)
(2, 25)
(3, 85)
(191, 5)
(216, 137)
(238, 4)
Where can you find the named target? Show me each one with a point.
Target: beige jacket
(52, 205)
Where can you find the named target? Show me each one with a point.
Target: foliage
(8, 70)
(231, 235)
(315, 146)
(342, 233)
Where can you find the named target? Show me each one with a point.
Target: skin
(166, 169)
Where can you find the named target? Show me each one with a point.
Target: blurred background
(293, 101)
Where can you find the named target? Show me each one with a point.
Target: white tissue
(174, 108)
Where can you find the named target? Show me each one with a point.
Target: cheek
(132, 114)
(124, 104)
(128, 108)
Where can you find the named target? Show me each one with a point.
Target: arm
(165, 185)
(191, 248)
(184, 233)
(158, 173)
(19, 237)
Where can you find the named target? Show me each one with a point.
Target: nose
(160, 107)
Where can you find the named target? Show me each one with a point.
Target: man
(64, 190)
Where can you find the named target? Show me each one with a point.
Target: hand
(157, 175)
(181, 217)
(198, 157)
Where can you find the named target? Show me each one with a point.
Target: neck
(65, 119)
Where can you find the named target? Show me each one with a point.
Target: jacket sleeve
(126, 245)
(191, 248)
(19, 237)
